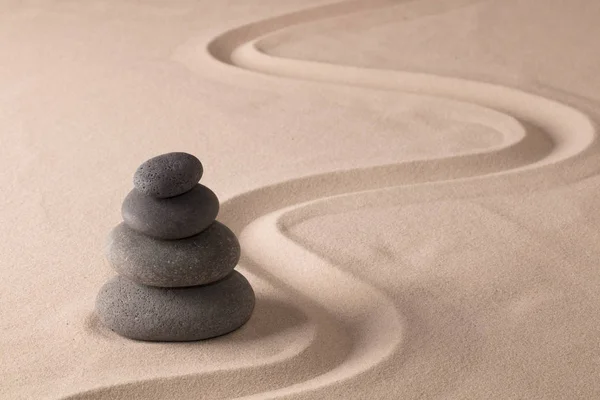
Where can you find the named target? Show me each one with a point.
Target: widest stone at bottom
(175, 314)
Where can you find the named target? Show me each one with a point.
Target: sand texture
(414, 185)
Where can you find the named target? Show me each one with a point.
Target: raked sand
(414, 185)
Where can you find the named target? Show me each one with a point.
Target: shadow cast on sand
(270, 317)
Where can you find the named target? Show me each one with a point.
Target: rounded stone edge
(243, 321)
(139, 222)
(157, 279)
(139, 180)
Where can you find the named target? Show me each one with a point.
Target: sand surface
(414, 185)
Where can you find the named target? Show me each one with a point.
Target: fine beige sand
(414, 185)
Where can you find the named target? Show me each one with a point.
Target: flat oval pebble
(168, 175)
(173, 218)
(175, 314)
(197, 260)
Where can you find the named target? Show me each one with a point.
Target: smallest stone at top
(168, 175)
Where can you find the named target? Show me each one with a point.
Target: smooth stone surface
(175, 314)
(173, 218)
(197, 260)
(168, 175)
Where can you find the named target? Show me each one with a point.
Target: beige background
(412, 272)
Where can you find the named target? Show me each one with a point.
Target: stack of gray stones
(175, 262)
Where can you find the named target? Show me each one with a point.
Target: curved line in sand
(549, 144)
(570, 132)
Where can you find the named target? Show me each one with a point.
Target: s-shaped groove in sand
(570, 133)
(550, 144)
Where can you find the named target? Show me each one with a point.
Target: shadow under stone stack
(175, 262)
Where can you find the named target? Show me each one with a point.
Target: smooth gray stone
(175, 314)
(197, 260)
(168, 175)
(173, 218)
